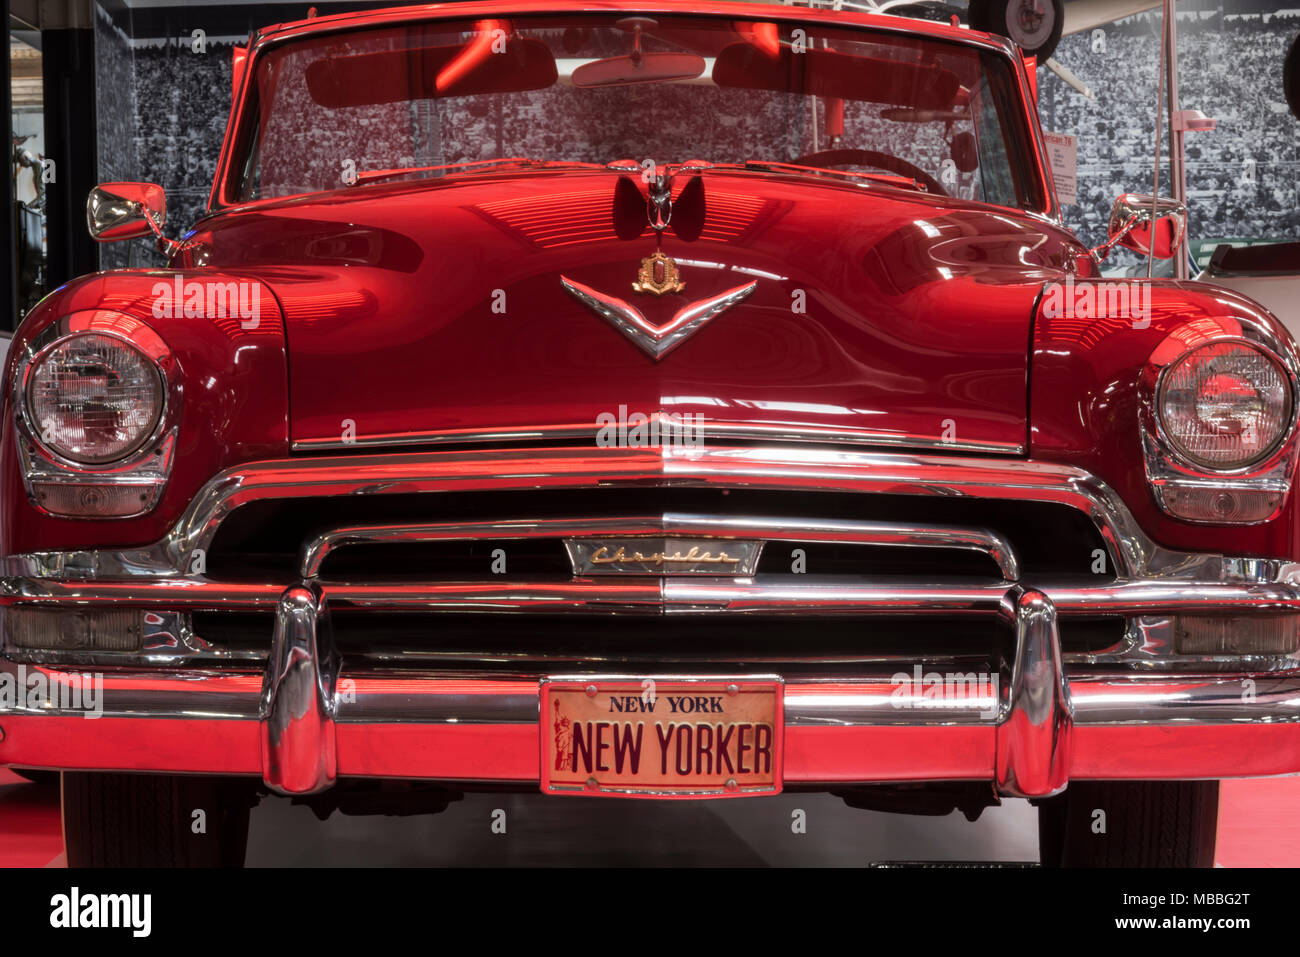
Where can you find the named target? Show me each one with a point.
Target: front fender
(1084, 402)
(234, 377)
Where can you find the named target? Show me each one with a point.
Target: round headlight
(94, 399)
(1226, 405)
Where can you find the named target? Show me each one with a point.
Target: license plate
(662, 737)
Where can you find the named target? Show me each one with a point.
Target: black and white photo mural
(1241, 177)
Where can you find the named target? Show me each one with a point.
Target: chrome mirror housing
(117, 211)
(1147, 225)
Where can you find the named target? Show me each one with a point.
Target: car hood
(497, 307)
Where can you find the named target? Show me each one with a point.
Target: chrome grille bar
(668, 595)
(810, 531)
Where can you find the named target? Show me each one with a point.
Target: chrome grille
(267, 538)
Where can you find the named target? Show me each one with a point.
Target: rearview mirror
(1146, 225)
(117, 211)
(639, 68)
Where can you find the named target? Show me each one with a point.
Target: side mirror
(1146, 225)
(116, 211)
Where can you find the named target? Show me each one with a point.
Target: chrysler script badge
(656, 341)
(663, 556)
(658, 275)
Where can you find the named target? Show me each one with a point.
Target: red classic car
(613, 400)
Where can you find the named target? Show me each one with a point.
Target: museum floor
(1257, 827)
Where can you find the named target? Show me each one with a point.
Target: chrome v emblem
(657, 341)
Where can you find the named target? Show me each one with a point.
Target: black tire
(145, 820)
(1147, 824)
(998, 16)
(1291, 77)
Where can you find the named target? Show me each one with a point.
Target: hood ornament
(656, 341)
(658, 275)
(659, 205)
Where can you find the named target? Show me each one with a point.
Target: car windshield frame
(1022, 134)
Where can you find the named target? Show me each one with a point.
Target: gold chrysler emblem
(669, 555)
(602, 556)
(658, 275)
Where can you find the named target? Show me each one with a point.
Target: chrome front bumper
(307, 719)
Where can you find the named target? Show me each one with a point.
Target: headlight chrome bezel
(25, 397)
(126, 486)
(1205, 467)
(1249, 493)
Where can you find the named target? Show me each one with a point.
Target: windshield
(432, 99)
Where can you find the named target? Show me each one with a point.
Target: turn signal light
(53, 629)
(1277, 635)
(94, 500)
(1199, 503)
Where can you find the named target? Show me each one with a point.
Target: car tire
(1003, 18)
(1291, 77)
(1145, 824)
(144, 820)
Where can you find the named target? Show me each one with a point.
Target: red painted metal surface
(1084, 406)
(917, 309)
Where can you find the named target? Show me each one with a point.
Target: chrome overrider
(307, 719)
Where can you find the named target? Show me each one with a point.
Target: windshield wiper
(889, 179)
(474, 166)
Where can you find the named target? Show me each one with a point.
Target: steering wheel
(885, 161)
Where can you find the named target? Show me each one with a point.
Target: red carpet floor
(31, 834)
(1257, 824)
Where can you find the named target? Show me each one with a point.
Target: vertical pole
(1177, 135)
(68, 60)
(1160, 97)
(9, 270)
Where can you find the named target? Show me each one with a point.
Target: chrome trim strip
(556, 433)
(872, 699)
(680, 595)
(1116, 700)
(297, 705)
(1033, 740)
(702, 432)
(165, 693)
(674, 524)
(412, 707)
